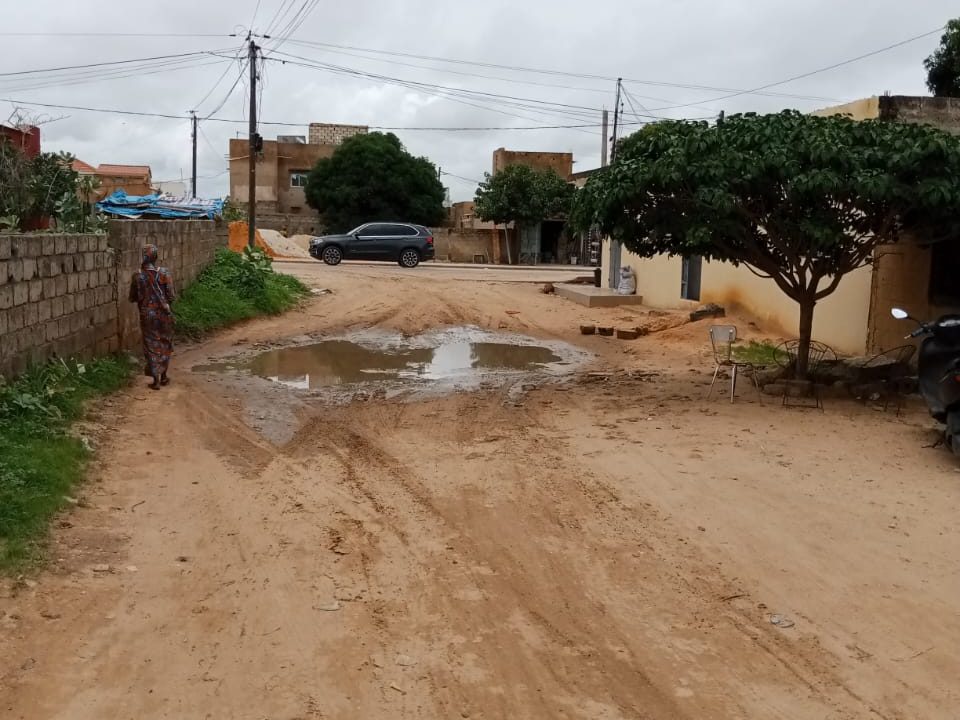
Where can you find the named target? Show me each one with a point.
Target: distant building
(25, 139)
(282, 168)
(132, 179)
(561, 163)
(328, 134)
(917, 275)
(176, 188)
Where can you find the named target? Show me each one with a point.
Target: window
(400, 230)
(375, 230)
(298, 179)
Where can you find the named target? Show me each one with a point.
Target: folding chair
(722, 338)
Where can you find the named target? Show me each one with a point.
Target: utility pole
(193, 180)
(255, 146)
(614, 275)
(616, 121)
(603, 141)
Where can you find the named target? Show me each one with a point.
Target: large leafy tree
(943, 66)
(372, 177)
(798, 199)
(523, 196)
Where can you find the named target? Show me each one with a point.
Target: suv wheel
(409, 258)
(332, 255)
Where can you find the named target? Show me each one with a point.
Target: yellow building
(854, 319)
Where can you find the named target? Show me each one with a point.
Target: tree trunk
(806, 334)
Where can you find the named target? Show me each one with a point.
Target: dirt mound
(303, 241)
(282, 246)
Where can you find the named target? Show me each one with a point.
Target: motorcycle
(939, 371)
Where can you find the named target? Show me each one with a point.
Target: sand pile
(282, 246)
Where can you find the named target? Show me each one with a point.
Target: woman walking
(152, 290)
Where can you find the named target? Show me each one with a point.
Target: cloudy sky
(388, 64)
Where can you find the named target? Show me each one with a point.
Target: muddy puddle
(449, 359)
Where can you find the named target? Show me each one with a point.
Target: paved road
(445, 271)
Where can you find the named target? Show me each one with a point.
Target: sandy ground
(612, 547)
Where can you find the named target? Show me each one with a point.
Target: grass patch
(235, 288)
(757, 353)
(40, 462)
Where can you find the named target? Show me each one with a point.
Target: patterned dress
(152, 290)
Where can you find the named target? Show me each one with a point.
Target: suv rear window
(401, 230)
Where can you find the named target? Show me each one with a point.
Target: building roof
(128, 170)
(584, 173)
(83, 168)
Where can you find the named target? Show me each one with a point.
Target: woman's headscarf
(150, 254)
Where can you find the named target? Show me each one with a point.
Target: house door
(529, 245)
(690, 277)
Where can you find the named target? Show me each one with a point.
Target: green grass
(40, 462)
(757, 353)
(235, 288)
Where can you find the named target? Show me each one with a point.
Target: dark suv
(404, 243)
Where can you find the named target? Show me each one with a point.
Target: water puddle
(455, 358)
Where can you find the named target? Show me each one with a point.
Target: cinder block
(60, 244)
(48, 246)
(71, 245)
(15, 317)
(56, 307)
(60, 285)
(51, 330)
(72, 282)
(80, 301)
(29, 268)
(5, 248)
(15, 270)
(31, 314)
(5, 272)
(42, 288)
(6, 296)
(34, 290)
(44, 310)
(4, 324)
(69, 304)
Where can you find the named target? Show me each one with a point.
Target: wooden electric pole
(254, 147)
(616, 122)
(603, 141)
(193, 177)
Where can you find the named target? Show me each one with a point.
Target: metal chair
(786, 354)
(722, 338)
(889, 371)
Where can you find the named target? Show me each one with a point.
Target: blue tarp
(159, 206)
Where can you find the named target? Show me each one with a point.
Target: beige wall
(840, 320)
(865, 109)
(561, 163)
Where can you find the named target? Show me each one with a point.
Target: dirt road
(606, 549)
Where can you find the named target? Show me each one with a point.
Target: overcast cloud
(716, 43)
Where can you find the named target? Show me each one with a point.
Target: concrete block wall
(330, 134)
(66, 295)
(57, 298)
(185, 247)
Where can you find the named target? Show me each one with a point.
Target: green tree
(798, 199)
(943, 66)
(523, 196)
(32, 188)
(372, 177)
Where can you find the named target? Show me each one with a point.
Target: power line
(497, 78)
(105, 64)
(116, 34)
(112, 75)
(219, 80)
(460, 177)
(169, 116)
(539, 71)
(817, 71)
